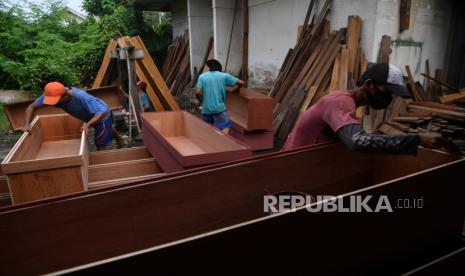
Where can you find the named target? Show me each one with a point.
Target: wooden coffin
(49, 161)
(215, 214)
(179, 140)
(15, 112)
(256, 139)
(113, 167)
(250, 109)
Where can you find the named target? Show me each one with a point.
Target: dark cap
(388, 75)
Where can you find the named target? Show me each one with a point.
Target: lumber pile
(176, 67)
(146, 70)
(427, 112)
(321, 61)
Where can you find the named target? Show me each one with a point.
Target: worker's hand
(85, 128)
(234, 88)
(430, 140)
(27, 129)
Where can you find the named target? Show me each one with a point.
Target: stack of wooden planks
(146, 70)
(442, 114)
(176, 68)
(322, 61)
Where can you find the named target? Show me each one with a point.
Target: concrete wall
(223, 13)
(200, 17)
(426, 37)
(274, 23)
(179, 17)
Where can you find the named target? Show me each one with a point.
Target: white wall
(274, 23)
(200, 17)
(179, 17)
(223, 13)
(426, 37)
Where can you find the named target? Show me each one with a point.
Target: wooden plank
(148, 63)
(125, 169)
(118, 155)
(308, 99)
(411, 82)
(429, 85)
(451, 98)
(224, 196)
(404, 21)
(335, 75)
(245, 41)
(307, 18)
(103, 71)
(440, 81)
(459, 115)
(354, 28)
(385, 49)
(343, 69)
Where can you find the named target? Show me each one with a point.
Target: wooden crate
(217, 211)
(179, 140)
(50, 161)
(251, 109)
(15, 112)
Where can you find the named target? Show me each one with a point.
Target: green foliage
(45, 43)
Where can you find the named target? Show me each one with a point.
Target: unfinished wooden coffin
(216, 213)
(15, 112)
(113, 167)
(179, 140)
(49, 161)
(256, 140)
(250, 109)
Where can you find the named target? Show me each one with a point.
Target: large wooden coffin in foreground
(51, 160)
(215, 215)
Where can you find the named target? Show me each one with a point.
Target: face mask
(379, 100)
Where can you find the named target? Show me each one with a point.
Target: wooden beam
(103, 71)
(413, 87)
(354, 29)
(451, 98)
(148, 63)
(385, 49)
(245, 41)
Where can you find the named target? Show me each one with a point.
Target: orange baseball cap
(53, 92)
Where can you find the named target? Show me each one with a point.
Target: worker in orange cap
(91, 110)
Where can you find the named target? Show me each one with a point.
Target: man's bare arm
(28, 116)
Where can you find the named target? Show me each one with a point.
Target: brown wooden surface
(451, 98)
(124, 169)
(37, 168)
(118, 155)
(148, 63)
(190, 141)
(35, 185)
(15, 112)
(103, 71)
(370, 243)
(123, 219)
(251, 109)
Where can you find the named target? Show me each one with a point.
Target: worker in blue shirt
(211, 88)
(143, 97)
(91, 110)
